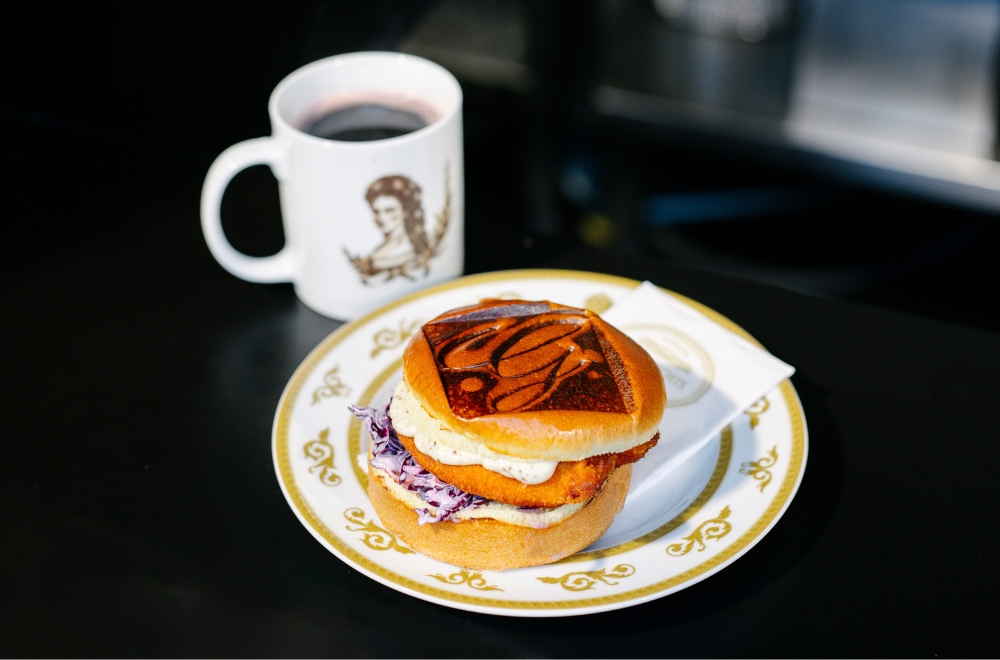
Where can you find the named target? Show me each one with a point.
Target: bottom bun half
(487, 544)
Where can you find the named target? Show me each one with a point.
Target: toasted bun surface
(487, 544)
(535, 380)
(572, 483)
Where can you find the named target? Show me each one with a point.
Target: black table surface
(140, 513)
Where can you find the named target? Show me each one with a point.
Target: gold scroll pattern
(321, 452)
(756, 410)
(597, 303)
(584, 580)
(473, 580)
(333, 386)
(374, 537)
(715, 528)
(759, 469)
(387, 338)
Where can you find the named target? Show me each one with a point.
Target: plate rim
(526, 608)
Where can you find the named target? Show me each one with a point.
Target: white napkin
(711, 375)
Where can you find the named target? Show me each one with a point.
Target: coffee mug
(367, 151)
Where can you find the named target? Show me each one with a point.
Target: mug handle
(279, 267)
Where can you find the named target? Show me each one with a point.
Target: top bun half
(535, 380)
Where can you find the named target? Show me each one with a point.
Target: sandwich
(511, 438)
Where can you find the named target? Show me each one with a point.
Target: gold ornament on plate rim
(388, 338)
(584, 580)
(715, 528)
(756, 410)
(333, 386)
(321, 452)
(474, 580)
(375, 537)
(759, 469)
(597, 303)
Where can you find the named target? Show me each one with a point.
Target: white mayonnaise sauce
(446, 446)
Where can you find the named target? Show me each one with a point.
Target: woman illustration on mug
(396, 206)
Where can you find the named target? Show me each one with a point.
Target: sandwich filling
(446, 446)
(507, 513)
(432, 499)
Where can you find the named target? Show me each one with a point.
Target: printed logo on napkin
(711, 375)
(686, 366)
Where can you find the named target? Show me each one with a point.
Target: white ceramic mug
(365, 222)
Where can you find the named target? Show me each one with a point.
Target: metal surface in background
(891, 93)
(900, 94)
(904, 87)
(485, 42)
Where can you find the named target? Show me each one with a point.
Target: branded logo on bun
(516, 357)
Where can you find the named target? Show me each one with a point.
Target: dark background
(102, 106)
(140, 514)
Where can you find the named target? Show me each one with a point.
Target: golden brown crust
(572, 482)
(637, 452)
(589, 348)
(486, 544)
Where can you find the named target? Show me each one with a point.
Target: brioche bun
(486, 544)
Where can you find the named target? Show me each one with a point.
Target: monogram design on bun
(516, 356)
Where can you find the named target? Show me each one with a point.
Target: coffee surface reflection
(365, 122)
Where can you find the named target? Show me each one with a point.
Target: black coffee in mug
(363, 116)
(361, 123)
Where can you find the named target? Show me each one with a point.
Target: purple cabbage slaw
(389, 454)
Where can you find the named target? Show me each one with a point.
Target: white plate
(715, 507)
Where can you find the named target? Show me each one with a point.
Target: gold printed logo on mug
(406, 249)
(517, 356)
